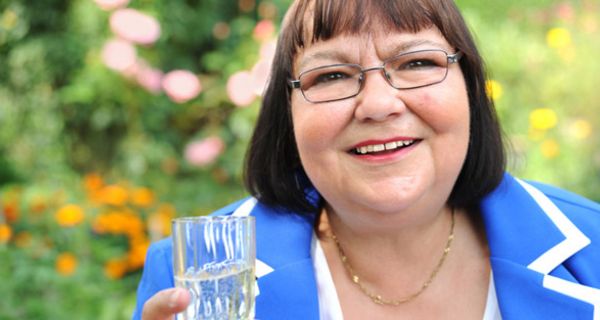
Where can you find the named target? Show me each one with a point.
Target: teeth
(382, 147)
(390, 146)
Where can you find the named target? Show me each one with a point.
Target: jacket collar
(529, 239)
(286, 283)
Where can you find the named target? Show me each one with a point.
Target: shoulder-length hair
(273, 171)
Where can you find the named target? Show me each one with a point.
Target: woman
(377, 171)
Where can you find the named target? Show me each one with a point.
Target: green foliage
(66, 119)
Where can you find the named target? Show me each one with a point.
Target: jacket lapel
(530, 238)
(284, 268)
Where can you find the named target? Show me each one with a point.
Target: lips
(374, 148)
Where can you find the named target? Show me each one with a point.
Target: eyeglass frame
(452, 58)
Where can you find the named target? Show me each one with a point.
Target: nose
(378, 100)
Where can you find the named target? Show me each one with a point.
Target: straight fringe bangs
(320, 20)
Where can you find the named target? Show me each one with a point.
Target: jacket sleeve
(157, 274)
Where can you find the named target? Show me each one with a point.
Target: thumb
(165, 304)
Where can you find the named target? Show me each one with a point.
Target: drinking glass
(213, 257)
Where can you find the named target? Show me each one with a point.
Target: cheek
(446, 111)
(316, 126)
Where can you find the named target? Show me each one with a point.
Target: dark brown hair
(273, 172)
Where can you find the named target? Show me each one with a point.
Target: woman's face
(433, 121)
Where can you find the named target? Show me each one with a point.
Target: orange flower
(92, 182)
(159, 223)
(115, 268)
(5, 233)
(66, 264)
(142, 197)
(119, 222)
(69, 215)
(114, 195)
(137, 255)
(11, 212)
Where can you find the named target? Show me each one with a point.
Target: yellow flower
(550, 148)
(558, 38)
(5, 233)
(493, 89)
(581, 129)
(114, 195)
(142, 197)
(9, 20)
(66, 264)
(536, 135)
(543, 119)
(69, 215)
(115, 268)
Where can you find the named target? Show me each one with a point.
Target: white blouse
(329, 304)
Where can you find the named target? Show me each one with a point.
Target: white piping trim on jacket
(261, 268)
(245, 208)
(574, 241)
(575, 290)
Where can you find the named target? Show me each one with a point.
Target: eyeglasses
(408, 70)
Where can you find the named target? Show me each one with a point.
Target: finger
(165, 304)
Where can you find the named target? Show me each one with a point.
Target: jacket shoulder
(562, 196)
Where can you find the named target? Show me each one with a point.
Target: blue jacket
(544, 252)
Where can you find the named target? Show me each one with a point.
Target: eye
(417, 64)
(331, 76)
(328, 76)
(418, 61)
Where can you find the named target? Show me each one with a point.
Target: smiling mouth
(374, 149)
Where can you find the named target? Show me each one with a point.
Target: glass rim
(201, 219)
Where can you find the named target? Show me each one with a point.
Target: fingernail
(174, 298)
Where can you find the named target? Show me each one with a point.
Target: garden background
(117, 115)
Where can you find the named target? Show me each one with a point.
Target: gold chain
(377, 298)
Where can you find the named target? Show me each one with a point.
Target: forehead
(355, 48)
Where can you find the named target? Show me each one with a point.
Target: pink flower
(119, 55)
(260, 75)
(135, 26)
(241, 88)
(111, 4)
(181, 85)
(204, 152)
(267, 50)
(565, 11)
(263, 30)
(150, 78)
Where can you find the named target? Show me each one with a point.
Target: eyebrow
(336, 55)
(408, 45)
(323, 55)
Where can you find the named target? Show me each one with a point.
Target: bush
(107, 131)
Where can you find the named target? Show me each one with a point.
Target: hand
(166, 304)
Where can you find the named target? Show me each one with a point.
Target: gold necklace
(376, 297)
